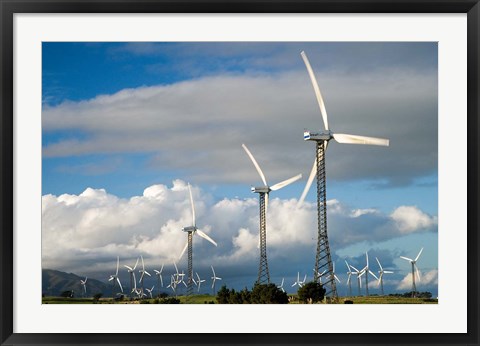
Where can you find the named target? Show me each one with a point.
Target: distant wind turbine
(366, 270)
(115, 279)
(414, 270)
(381, 272)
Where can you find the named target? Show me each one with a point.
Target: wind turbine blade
(129, 268)
(156, 271)
(193, 207)
(355, 268)
(406, 258)
(161, 281)
(354, 139)
(143, 263)
(388, 272)
(119, 284)
(147, 273)
(176, 269)
(183, 251)
(348, 279)
(259, 170)
(312, 175)
(321, 104)
(204, 236)
(285, 183)
(379, 264)
(135, 266)
(348, 267)
(373, 274)
(418, 256)
(366, 255)
(336, 278)
(213, 271)
(161, 269)
(134, 279)
(118, 262)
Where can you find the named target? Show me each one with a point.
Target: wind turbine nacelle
(189, 229)
(317, 136)
(262, 189)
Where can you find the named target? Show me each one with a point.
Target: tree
(268, 294)
(311, 290)
(223, 295)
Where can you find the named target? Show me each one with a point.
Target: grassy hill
(55, 282)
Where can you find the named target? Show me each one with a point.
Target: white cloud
(410, 219)
(427, 279)
(86, 232)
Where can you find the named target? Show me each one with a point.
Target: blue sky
(126, 117)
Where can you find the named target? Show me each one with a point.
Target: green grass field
(208, 299)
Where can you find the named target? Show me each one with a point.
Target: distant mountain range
(55, 282)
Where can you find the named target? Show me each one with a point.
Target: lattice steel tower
(263, 191)
(191, 230)
(323, 259)
(263, 274)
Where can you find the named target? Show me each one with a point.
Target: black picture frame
(10, 7)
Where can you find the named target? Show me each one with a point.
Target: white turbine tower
(142, 272)
(191, 230)
(414, 270)
(323, 257)
(381, 272)
(263, 192)
(359, 280)
(84, 285)
(158, 273)
(366, 270)
(115, 279)
(214, 279)
(349, 282)
(133, 282)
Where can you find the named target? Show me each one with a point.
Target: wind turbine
(381, 272)
(158, 273)
(191, 230)
(214, 279)
(142, 272)
(263, 192)
(323, 256)
(150, 291)
(298, 282)
(366, 270)
(115, 278)
(173, 284)
(84, 285)
(281, 285)
(199, 282)
(414, 270)
(350, 273)
(359, 281)
(131, 271)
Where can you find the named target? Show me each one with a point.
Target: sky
(126, 126)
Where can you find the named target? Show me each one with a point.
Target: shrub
(268, 294)
(311, 290)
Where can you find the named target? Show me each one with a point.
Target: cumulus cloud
(84, 233)
(426, 279)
